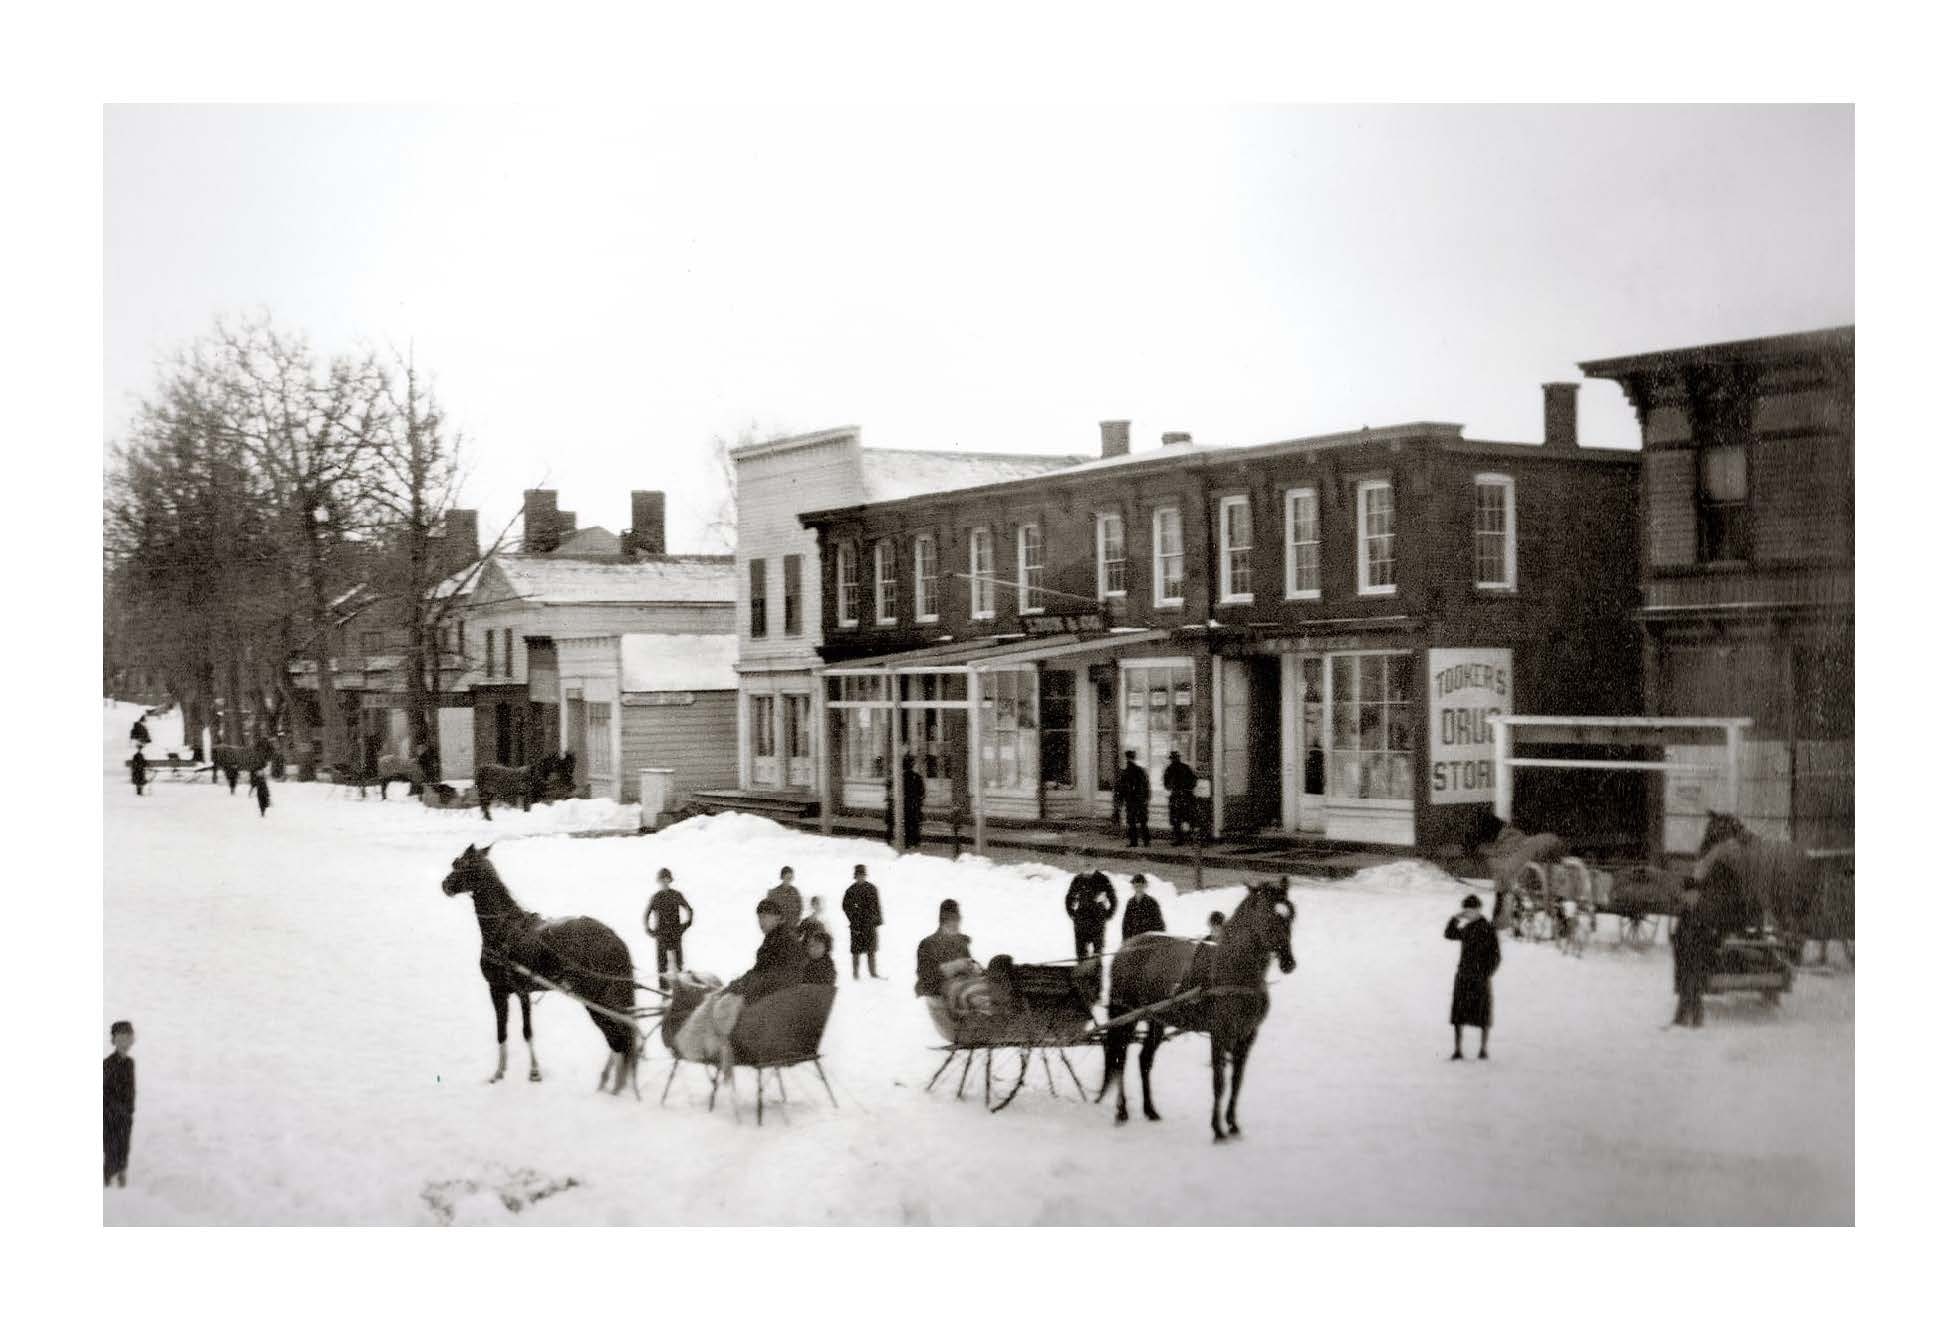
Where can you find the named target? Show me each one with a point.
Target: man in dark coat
(1091, 903)
(940, 949)
(260, 791)
(779, 960)
(139, 771)
(667, 919)
(787, 898)
(1181, 783)
(1476, 962)
(1695, 944)
(1143, 913)
(118, 1104)
(1133, 799)
(865, 916)
(915, 801)
(139, 734)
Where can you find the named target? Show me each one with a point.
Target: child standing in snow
(1476, 962)
(668, 917)
(139, 770)
(863, 913)
(261, 790)
(118, 1103)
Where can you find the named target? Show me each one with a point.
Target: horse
(523, 953)
(415, 772)
(1748, 879)
(543, 780)
(1230, 978)
(234, 760)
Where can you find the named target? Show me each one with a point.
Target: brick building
(1746, 560)
(1321, 627)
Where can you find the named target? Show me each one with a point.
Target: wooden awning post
(894, 779)
(975, 793)
(1501, 798)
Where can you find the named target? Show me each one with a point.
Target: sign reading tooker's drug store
(1467, 687)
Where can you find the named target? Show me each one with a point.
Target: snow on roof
(891, 475)
(591, 541)
(655, 579)
(677, 662)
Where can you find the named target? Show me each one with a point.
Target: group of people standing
(1091, 903)
(1180, 789)
(796, 946)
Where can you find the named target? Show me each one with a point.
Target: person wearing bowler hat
(1476, 962)
(1142, 914)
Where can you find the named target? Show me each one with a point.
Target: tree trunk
(234, 701)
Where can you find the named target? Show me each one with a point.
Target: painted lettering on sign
(1467, 688)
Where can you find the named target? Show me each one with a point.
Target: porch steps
(777, 806)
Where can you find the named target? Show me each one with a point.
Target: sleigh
(1030, 1009)
(773, 1033)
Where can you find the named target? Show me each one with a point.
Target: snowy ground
(313, 1042)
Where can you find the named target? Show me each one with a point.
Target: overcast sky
(600, 296)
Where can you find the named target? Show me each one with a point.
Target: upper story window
(980, 561)
(1033, 556)
(793, 595)
(1235, 550)
(758, 598)
(1112, 560)
(925, 577)
(1722, 503)
(884, 582)
(848, 586)
(489, 653)
(1303, 543)
(1496, 537)
(1374, 528)
(1167, 546)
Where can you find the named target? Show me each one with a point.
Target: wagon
(1033, 1010)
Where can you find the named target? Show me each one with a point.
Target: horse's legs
(524, 1007)
(1153, 1036)
(1217, 1085)
(1116, 1056)
(1238, 1081)
(483, 800)
(500, 1003)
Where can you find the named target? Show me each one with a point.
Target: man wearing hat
(1142, 914)
(778, 960)
(943, 947)
(1475, 963)
(1133, 799)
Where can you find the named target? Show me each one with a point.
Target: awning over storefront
(1004, 652)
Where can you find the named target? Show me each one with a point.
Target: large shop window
(925, 577)
(884, 580)
(1167, 546)
(980, 560)
(1112, 563)
(1009, 740)
(599, 739)
(1302, 543)
(847, 584)
(867, 728)
(1159, 713)
(1497, 532)
(1372, 726)
(1033, 558)
(1375, 527)
(1235, 550)
(924, 731)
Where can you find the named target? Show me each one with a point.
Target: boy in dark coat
(1181, 783)
(915, 802)
(260, 791)
(817, 964)
(779, 960)
(1695, 947)
(1133, 799)
(118, 1104)
(139, 772)
(668, 917)
(787, 898)
(1091, 903)
(1143, 913)
(865, 916)
(940, 949)
(1476, 962)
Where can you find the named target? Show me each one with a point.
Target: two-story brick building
(778, 567)
(1319, 626)
(1747, 602)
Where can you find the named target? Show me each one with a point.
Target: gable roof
(653, 579)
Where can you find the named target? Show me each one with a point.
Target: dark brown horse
(231, 761)
(543, 780)
(1746, 878)
(522, 952)
(1230, 1002)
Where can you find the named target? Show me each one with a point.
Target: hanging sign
(1065, 623)
(1467, 687)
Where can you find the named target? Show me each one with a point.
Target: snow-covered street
(314, 1038)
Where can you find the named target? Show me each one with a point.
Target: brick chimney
(542, 519)
(649, 531)
(1562, 415)
(460, 540)
(1177, 438)
(1116, 439)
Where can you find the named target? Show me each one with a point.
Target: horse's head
(1721, 828)
(1268, 910)
(470, 871)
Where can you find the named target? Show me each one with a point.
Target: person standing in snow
(139, 771)
(865, 916)
(261, 791)
(1181, 786)
(668, 917)
(1091, 903)
(787, 898)
(1695, 947)
(1133, 799)
(1143, 913)
(915, 801)
(1476, 962)
(118, 1104)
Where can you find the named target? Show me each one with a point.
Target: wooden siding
(772, 490)
(1670, 505)
(696, 741)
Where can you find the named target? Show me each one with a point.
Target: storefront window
(1009, 740)
(1159, 713)
(1372, 726)
(762, 726)
(867, 724)
(598, 739)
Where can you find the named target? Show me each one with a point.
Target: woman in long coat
(1476, 962)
